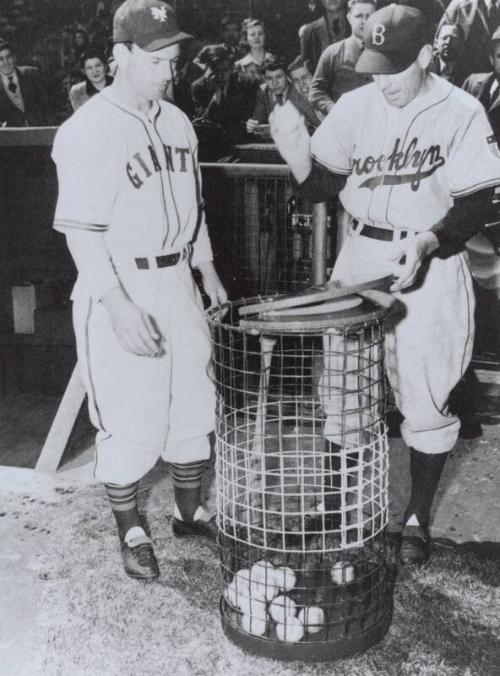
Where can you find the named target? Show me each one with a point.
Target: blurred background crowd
(246, 56)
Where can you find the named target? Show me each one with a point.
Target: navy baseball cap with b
(150, 24)
(393, 37)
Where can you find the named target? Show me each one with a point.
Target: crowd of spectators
(246, 56)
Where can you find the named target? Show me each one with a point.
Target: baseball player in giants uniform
(414, 160)
(131, 208)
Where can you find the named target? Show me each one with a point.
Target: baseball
(285, 578)
(254, 619)
(253, 625)
(342, 572)
(282, 607)
(313, 619)
(292, 630)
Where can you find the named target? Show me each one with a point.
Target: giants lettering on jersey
(142, 166)
(425, 161)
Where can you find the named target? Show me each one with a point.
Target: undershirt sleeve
(464, 220)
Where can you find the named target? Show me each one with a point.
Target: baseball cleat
(202, 525)
(415, 546)
(138, 557)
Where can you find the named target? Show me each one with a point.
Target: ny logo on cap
(159, 13)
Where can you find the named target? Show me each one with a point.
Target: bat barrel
(302, 486)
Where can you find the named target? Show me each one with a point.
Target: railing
(265, 238)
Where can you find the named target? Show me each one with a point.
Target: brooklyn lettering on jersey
(143, 165)
(424, 162)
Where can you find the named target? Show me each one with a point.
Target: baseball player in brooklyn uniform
(131, 209)
(414, 161)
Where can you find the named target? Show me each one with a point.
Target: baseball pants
(145, 408)
(428, 349)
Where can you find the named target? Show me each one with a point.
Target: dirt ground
(51, 523)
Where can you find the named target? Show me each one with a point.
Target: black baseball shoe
(415, 546)
(138, 557)
(202, 525)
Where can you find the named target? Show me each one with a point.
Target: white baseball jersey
(405, 165)
(404, 168)
(136, 180)
(132, 177)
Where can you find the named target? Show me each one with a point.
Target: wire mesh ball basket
(302, 479)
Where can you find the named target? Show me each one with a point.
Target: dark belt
(376, 233)
(166, 261)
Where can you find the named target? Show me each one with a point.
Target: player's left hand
(212, 285)
(409, 255)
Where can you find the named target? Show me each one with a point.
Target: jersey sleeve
(332, 143)
(474, 160)
(88, 168)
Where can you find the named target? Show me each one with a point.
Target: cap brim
(377, 63)
(166, 42)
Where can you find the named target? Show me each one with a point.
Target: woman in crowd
(254, 38)
(96, 77)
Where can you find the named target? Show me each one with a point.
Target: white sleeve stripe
(63, 224)
(332, 167)
(478, 186)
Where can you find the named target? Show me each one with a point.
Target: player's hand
(212, 285)
(289, 133)
(134, 328)
(252, 126)
(409, 256)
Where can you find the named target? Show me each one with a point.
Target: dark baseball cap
(150, 24)
(393, 37)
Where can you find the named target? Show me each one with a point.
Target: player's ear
(121, 52)
(424, 57)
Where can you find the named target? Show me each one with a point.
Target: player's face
(495, 58)
(276, 81)
(95, 71)
(301, 79)
(358, 16)
(256, 37)
(150, 73)
(399, 89)
(6, 62)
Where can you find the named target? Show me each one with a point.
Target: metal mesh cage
(302, 487)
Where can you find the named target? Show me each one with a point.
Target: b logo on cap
(378, 34)
(159, 13)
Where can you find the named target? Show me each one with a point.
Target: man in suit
(316, 36)
(335, 73)
(448, 48)
(486, 86)
(276, 90)
(478, 19)
(23, 102)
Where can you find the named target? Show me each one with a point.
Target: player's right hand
(133, 327)
(289, 133)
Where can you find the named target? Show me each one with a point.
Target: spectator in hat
(335, 74)
(478, 20)
(23, 99)
(448, 48)
(331, 27)
(96, 77)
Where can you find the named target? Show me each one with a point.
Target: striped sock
(123, 501)
(187, 487)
